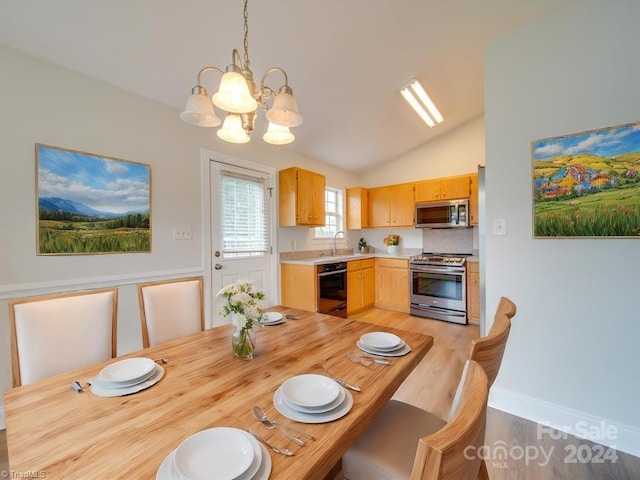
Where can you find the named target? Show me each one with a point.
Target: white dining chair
(56, 333)
(407, 443)
(170, 309)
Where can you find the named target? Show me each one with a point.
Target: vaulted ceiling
(346, 59)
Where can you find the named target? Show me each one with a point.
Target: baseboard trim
(3, 420)
(622, 437)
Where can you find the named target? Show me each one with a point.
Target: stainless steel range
(439, 286)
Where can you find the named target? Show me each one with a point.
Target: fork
(281, 451)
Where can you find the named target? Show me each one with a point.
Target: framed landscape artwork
(91, 204)
(587, 185)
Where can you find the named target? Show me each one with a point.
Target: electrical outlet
(293, 244)
(182, 233)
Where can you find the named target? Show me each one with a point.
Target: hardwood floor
(432, 385)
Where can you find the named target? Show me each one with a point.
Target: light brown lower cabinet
(299, 286)
(392, 284)
(473, 293)
(360, 285)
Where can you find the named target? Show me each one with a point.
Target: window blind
(245, 215)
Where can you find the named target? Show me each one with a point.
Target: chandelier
(239, 97)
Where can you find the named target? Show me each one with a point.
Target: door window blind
(245, 215)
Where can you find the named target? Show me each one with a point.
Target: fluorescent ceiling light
(419, 100)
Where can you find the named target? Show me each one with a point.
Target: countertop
(323, 259)
(345, 258)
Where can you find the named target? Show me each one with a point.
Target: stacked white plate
(383, 344)
(125, 377)
(272, 318)
(221, 453)
(312, 398)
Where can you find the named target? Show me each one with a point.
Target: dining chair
(170, 309)
(489, 350)
(405, 442)
(56, 333)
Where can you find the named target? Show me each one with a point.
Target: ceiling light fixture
(419, 100)
(238, 96)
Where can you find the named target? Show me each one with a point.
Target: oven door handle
(326, 274)
(437, 269)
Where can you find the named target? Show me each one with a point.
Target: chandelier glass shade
(240, 98)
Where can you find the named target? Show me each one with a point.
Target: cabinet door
(368, 287)
(428, 190)
(299, 286)
(354, 291)
(402, 205)
(455, 187)
(392, 284)
(473, 200)
(357, 208)
(473, 293)
(304, 197)
(379, 207)
(317, 200)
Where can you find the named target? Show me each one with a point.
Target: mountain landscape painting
(91, 204)
(587, 184)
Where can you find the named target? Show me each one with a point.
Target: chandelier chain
(246, 35)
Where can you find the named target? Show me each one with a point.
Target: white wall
(457, 152)
(44, 103)
(574, 349)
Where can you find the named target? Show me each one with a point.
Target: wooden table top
(52, 429)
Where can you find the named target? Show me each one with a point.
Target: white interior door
(242, 230)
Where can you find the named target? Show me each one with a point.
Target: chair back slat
(488, 351)
(451, 452)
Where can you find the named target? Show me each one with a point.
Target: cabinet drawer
(392, 262)
(354, 265)
(473, 267)
(368, 263)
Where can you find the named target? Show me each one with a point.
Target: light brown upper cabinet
(357, 208)
(301, 195)
(473, 200)
(391, 206)
(446, 188)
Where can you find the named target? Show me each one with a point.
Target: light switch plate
(499, 226)
(182, 233)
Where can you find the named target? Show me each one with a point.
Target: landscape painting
(587, 184)
(91, 204)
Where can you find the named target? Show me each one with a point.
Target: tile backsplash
(448, 240)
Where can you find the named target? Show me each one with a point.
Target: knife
(345, 384)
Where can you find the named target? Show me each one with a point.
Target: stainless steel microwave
(445, 214)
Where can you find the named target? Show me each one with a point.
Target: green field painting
(588, 184)
(90, 204)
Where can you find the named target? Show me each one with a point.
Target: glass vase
(243, 343)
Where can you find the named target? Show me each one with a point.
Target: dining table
(56, 432)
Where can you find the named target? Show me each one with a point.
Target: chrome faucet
(334, 252)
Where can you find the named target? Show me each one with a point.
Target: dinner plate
(382, 341)
(310, 390)
(298, 416)
(272, 318)
(393, 353)
(105, 384)
(317, 410)
(127, 371)
(220, 453)
(100, 391)
(167, 469)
